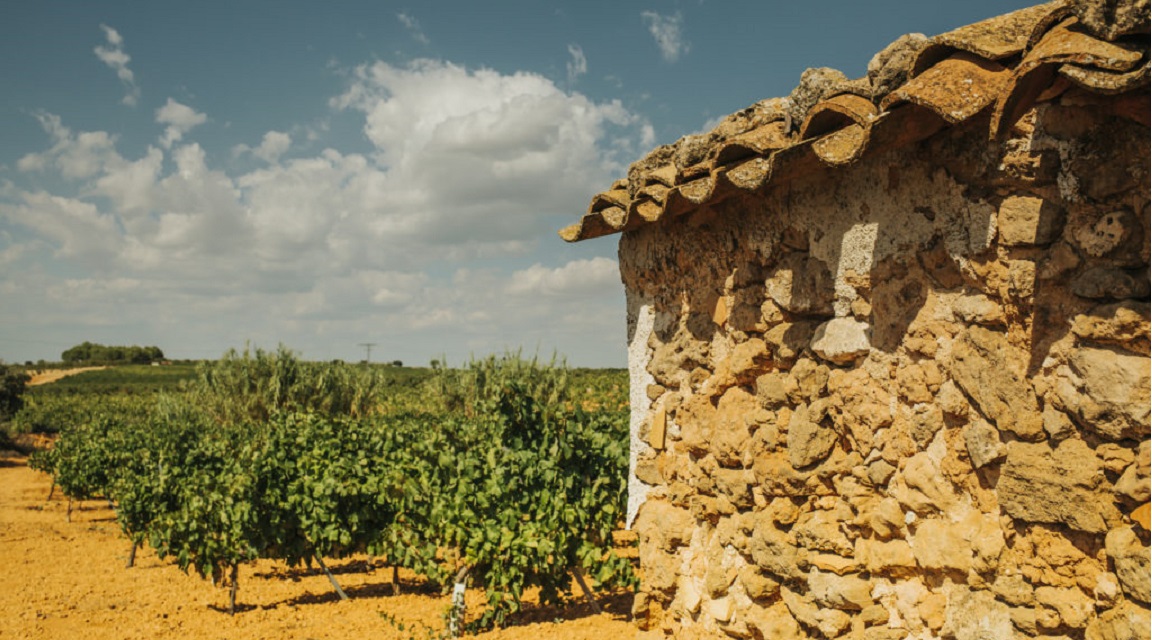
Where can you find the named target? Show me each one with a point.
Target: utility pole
(368, 351)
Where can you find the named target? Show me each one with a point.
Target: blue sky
(198, 176)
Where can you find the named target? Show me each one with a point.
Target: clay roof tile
(915, 87)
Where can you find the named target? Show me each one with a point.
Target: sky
(210, 175)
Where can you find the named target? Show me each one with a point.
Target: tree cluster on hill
(90, 352)
(12, 385)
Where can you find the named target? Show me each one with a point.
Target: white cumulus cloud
(180, 119)
(577, 65)
(667, 31)
(114, 56)
(413, 26)
(337, 245)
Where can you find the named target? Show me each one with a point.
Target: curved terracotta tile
(1066, 44)
(956, 88)
(837, 112)
(992, 39)
(1106, 82)
(614, 217)
(665, 175)
(646, 210)
(654, 191)
(1111, 20)
(1070, 42)
(757, 142)
(749, 175)
(843, 146)
(606, 199)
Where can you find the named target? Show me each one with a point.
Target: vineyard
(507, 474)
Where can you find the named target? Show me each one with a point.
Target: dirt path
(68, 580)
(52, 375)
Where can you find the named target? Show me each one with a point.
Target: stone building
(889, 344)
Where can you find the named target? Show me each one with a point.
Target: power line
(368, 348)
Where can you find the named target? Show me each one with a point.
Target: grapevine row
(502, 474)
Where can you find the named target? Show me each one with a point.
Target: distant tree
(12, 386)
(88, 352)
(397, 363)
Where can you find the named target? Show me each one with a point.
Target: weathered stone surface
(889, 68)
(951, 399)
(975, 615)
(802, 285)
(775, 476)
(1025, 220)
(1124, 324)
(809, 439)
(807, 380)
(757, 585)
(1125, 622)
(1134, 482)
(1039, 483)
(879, 472)
(1130, 557)
(664, 525)
(1111, 21)
(842, 340)
(955, 474)
(894, 557)
(839, 592)
(1014, 590)
(770, 390)
(884, 517)
(735, 484)
(774, 552)
(1071, 604)
(939, 544)
(788, 340)
(746, 361)
(1106, 391)
(777, 623)
(1106, 233)
(983, 443)
(924, 421)
(979, 309)
(1107, 283)
(671, 360)
(821, 530)
(830, 622)
(864, 405)
(1057, 424)
(923, 488)
(991, 372)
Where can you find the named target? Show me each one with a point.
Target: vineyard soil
(52, 375)
(68, 580)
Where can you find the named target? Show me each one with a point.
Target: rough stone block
(1025, 220)
(842, 340)
(1039, 483)
(991, 372)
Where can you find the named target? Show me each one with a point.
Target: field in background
(510, 467)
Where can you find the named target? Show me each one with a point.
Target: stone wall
(907, 398)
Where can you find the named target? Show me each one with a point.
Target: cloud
(180, 120)
(271, 147)
(667, 32)
(475, 155)
(575, 277)
(73, 155)
(578, 65)
(113, 55)
(413, 28)
(334, 246)
(77, 228)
